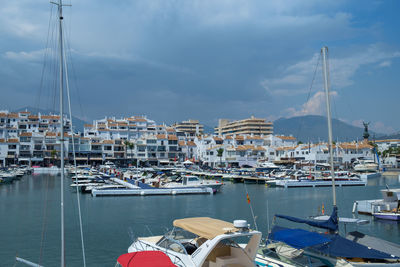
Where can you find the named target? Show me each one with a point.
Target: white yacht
(194, 181)
(206, 242)
(365, 166)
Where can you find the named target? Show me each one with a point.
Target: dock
(153, 191)
(295, 183)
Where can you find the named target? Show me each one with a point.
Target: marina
(255, 178)
(135, 216)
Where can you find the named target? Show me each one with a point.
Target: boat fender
(142, 193)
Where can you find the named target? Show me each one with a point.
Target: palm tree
(131, 146)
(53, 154)
(220, 151)
(126, 144)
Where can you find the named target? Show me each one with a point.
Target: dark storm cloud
(174, 60)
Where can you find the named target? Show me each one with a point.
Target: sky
(174, 60)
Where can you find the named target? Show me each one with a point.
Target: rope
(74, 76)
(45, 55)
(75, 165)
(309, 92)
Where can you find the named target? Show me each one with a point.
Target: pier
(151, 192)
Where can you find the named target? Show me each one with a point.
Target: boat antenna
(325, 71)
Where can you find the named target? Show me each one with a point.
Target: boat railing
(175, 259)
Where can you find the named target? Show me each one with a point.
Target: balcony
(161, 149)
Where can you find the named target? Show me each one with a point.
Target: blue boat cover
(140, 184)
(299, 238)
(333, 245)
(342, 247)
(330, 224)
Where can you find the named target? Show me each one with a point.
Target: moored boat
(204, 241)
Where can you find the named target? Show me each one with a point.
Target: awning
(205, 227)
(187, 162)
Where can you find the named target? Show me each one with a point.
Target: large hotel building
(252, 125)
(190, 127)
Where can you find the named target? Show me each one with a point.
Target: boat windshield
(171, 244)
(179, 240)
(180, 234)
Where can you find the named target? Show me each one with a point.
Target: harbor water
(30, 216)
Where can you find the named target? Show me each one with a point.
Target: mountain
(314, 128)
(77, 123)
(390, 136)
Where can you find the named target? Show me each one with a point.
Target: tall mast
(61, 129)
(324, 52)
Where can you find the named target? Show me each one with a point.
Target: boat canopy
(330, 224)
(331, 244)
(205, 226)
(145, 258)
(298, 238)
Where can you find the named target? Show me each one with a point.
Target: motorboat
(193, 181)
(389, 202)
(365, 166)
(206, 242)
(389, 207)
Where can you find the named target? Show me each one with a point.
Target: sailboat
(63, 76)
(330, 248)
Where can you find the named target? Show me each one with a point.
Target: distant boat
(365, 166)
(389, 202)
(388, 212)
(193, 181)
(387, 215)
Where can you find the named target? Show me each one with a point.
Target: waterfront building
(237, 150)
(343, 153)
(390, 159)
(28, 138)
(124, 128)
(252, 125)
(385, 144)
(190, 128)
(35, 140)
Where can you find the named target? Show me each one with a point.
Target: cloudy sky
(206, 59)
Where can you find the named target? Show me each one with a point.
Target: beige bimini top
(205, 227)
